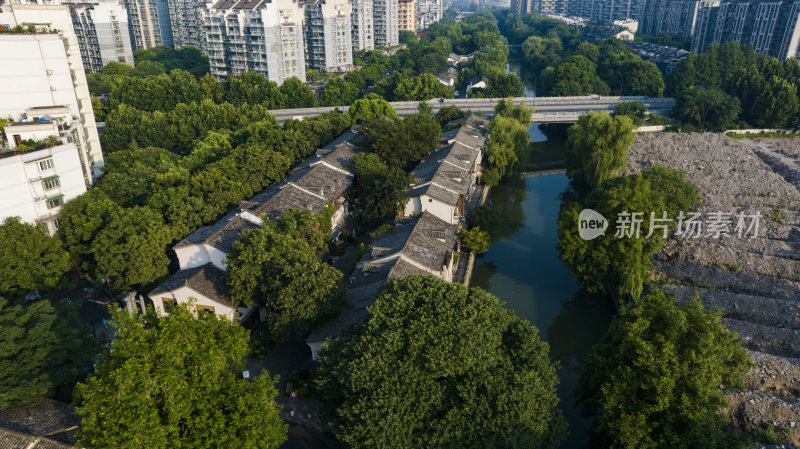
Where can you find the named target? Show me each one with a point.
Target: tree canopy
(620, 262)
(654, 379)
(403, 142)
(176, 382)
(474, 240)
(41, 347)
(29, 258)
(597, 149)
(367, 110)
(382, 189)
(279, 266)
(507, 150)
(439, 365)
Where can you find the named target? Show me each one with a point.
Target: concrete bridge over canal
(546, 109)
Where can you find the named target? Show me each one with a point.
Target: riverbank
(755, 281)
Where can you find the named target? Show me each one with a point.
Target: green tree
(422, 88)
(597, 149)
(252, 88)
(176, 382)
(439, 365)
(654, 379)
(279, 266)
(615, 263)
(41, 347)
(131, 249)
(710, 108)
(403, 143)
(81, 219)
(29, 258)
(297, 94)
(368, 109)
(382, 189)
(507, 150)
(576, 75)
(474, 240)
(631, 109)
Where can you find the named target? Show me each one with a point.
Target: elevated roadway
(546, 109)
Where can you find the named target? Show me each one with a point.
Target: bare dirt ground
(755, 281)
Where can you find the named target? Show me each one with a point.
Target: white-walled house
(445, 180)
(205, 287)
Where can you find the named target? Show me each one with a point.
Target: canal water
(523, 269)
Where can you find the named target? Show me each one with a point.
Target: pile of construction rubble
(755, 281)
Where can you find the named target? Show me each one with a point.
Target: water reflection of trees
(501, 216)
(583, 320)
(481, 275)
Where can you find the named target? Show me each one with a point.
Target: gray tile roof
(419, 241)
(56, 420)
(208, 280)
(313, 183)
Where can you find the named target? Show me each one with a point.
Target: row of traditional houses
(423, 240)
(314, 184)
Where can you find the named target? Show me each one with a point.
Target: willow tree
(597, 149)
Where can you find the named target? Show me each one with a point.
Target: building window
(45, 164)
(55, 201)
(51, 183)
(203, 311)
(169, 304)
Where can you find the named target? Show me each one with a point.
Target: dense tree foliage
(41, 347)
(732, 84)
(369, 109)
(474, 240)
(279, 266)
(169, 172)
(619, 262)
(439, 365)
(423, 87)
(597, 149)
(29, 259)
(560, 62)
(382, 189)
(402, 143)
(654, 379)
(634, 110)
(176, 382)
(507, 150)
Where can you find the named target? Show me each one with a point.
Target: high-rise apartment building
(772, 27)
(362, 21)
(407, 15)
(255, 35)
(428, 13)
(329, 39)
(102, 32)
(522, 6)
(385, 21)
(605, 11)
(678, 17)
(186, 19)
(46, 70)
(149, 23)
(51, 151)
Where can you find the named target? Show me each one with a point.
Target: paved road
(547, 109)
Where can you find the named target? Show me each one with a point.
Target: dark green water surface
(522, 268)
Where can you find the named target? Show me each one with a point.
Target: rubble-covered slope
(755, 281)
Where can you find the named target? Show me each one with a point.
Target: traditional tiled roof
(445, 174)
(314, 183)
(208, 280)
(418, 245)
(48, 418)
